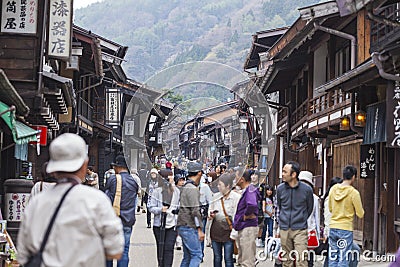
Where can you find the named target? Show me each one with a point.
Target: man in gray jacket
(189, 223)
(295, 202)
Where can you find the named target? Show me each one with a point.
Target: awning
(22, 134)
(10, 96)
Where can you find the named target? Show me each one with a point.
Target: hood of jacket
(340, 192)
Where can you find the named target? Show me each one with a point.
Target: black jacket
(295, 206)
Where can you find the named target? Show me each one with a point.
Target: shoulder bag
(117, 197)
(37, 259)
(228, 220)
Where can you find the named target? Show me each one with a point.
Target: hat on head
(194, 166)
(178, 177)
(67, 153)
(306, 176)
(154, 170)
(120, 162)
(168, 164)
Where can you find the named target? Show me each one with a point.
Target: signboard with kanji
(393, 116)
(19, 16)
(60, 21)
(367, 161)
(15, 204)
(113, 107)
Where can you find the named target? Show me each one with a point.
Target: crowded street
(236, 133)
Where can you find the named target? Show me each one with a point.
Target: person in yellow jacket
(344, 201)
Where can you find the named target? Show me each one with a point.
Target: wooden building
(334, 70)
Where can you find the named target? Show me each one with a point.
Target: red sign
(41, 135)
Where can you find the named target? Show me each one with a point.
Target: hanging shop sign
(367, 161)
(19, 16)
(113, 107)
(393, 115)
(60, 21)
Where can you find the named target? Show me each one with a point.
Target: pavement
(143, 250)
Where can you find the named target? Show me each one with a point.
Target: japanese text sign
(60, 20)
(393, 116)
(367, 161)
(19, 16)
(113, 107)
(15, 204)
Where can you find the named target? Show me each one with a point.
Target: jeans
(340, 244)
(228, 253)
(124, 261)
(353, 262)
(168, 248)
(192, 254)
(204, 221)
(268, 222)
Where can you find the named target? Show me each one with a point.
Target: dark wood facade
(323, 70)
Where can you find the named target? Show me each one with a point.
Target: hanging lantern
(345, 123)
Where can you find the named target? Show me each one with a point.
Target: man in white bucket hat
(85, 230)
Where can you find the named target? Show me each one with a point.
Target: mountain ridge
(163, 33)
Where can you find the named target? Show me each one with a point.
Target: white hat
(306, 176)
(67, 153)
(154, 170)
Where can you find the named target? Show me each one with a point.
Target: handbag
(313, 241)
(37, 259)
(235, 248)
(322, 249)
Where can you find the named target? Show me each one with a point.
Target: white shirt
(230, 204)
(45, 186)
(205, 194)
(85, 229)
(313, 220)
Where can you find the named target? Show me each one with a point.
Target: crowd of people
(233, 210)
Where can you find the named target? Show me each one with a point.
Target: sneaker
(259, 243)
(143, 211)
(138, 209)
(148, 225)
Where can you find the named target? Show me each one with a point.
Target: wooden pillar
(363, 36)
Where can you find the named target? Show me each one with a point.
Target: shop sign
(15, 206)
(393, 113)
(60, 20)
(113, 107)
(367, 161)
(19, 16)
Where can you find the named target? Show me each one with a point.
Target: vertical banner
(367, 161)
(60, 21)
(19, 16)
(393, 115)
(113, 106)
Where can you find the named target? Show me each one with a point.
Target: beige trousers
(294, 245)
(246, 243)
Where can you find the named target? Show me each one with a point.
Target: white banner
(19, 16)
(60, 22)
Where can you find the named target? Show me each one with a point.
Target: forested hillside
(161, 33)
